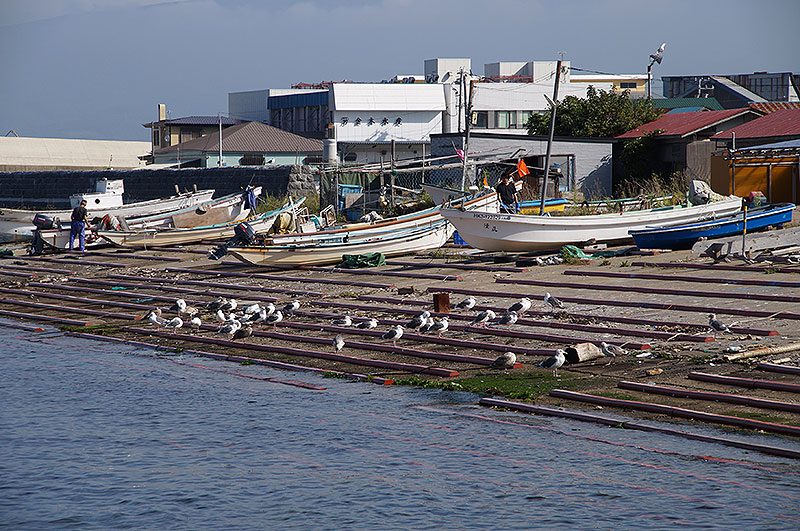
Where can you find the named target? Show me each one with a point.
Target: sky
(98, 68)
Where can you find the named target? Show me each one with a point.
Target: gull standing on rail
(154, 316)
(521, 306)
(229, 305)
(179, 306)
(467, 304)
(344, 321)
(418, 320)
(230, 328)
(195, 323)
(394, 333)
(270, 309)
(426, 327)
(291, 307)
(338, 343)
(221, 316)
(275, 318)
(483, 317)
(611, 351)
(508, 318)
(252, 309)
(216, 304)
(369, 324)
(717, 325)
(440, 326)
(175, 323)
(553, 302)
(554, 362)
(506, 361)
(242, 332)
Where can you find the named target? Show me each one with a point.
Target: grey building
(735, 90)
(585, 163)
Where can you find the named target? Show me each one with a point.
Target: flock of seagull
(236, 322)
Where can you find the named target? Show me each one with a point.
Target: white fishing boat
(226, 209)
(486, 202)
(520, 233)
(17, 224)
(180, 236)
(393, 243)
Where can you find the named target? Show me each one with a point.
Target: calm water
(102, 436)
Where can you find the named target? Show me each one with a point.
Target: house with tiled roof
(683, 140)
(245, 144)
(167, 131)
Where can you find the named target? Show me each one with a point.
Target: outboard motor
(243, 235)
(43, 221)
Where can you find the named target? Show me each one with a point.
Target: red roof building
(688, 123)
(772, 106)
(774, 127)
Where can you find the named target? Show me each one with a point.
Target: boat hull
(685, 236)
(16, 224)
(294, 256)
(517, 233)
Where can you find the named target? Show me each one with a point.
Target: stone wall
(303, 181)
(51, 189)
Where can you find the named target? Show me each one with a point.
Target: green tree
(601, 114)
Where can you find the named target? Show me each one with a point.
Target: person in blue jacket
(78, 227)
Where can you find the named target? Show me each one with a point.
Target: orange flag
(522, 168)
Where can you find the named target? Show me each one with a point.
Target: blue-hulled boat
(685, 236)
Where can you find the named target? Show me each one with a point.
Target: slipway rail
(685, 278)
(750, 383)
(280, 278)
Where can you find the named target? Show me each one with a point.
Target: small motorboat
(685, 236)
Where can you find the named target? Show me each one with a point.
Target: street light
(654, 58)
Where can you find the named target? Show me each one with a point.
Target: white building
(35, 154)
(252, 105)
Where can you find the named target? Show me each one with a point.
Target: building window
(627, 85)
(350, 157)
(156, 137)
(480, 119)
(505, 119)
(252, 160)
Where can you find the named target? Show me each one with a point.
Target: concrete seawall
(51, 189)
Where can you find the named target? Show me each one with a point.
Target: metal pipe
(43, 318)
(266, 276)
(618, 423)
(66, 309)
(629, 304)
(685, 278)
(750, 383)
(16, 274)
(207, 283)
(239, 359)
(711, 396)
(649, 289)
(48, 270)
(81, 300)
(366, 362)
(678, 412)
(80, 261)
(600, 318)
(774, 367)
(455, 265)
(715, 267)
(381, 272)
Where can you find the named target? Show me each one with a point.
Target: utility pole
(219, 163)
(460, 95)
(550, 138)
(467, 124)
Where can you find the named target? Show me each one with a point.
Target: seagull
(554, 362)
(506, 361)
(270, 308)
(292, 307)
(221, 316)
(552, 301)
(369, 324)
(216, 304)
(275, 318)
(484, 317)
(179, 306)
(253, 308)
(175, 323)
(418, 320)
(429, 322)
(242, 332)
(508, 318)
(338, 343)
(718, 326)
(394, 333)
(612, 351)
(154, 316)
(196, 323)
(229, 305)
(344, 321)
(521, 306)
(467, 304)
(230, 327)
(440, 326)
(262, 316)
